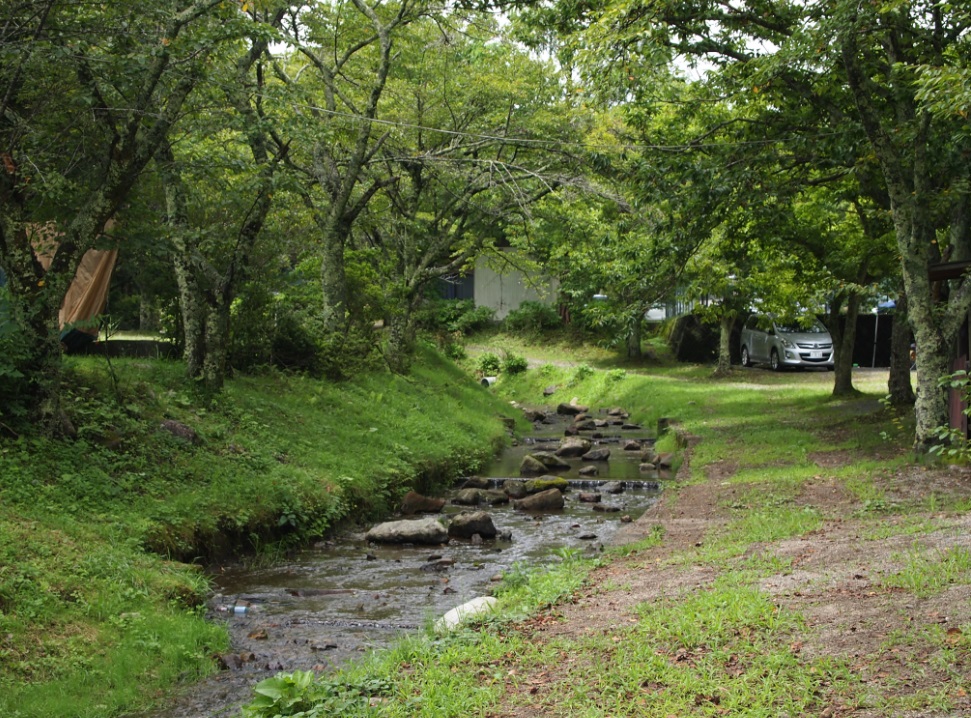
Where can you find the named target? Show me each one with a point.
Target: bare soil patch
(840, 578)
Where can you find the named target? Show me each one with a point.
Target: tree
(218, 199)
(921, 157)
(478, 131)
(83, 110)
(343, 56)
(837, 85)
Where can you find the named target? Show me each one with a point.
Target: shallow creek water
(326, 604)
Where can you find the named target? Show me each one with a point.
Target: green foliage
(580, 373)
(299, 694)
(455, 351)
(285, 330)
(615, 375)
(488, 364)
(454, 316)
(951, 442)
(285, 694)
(13, 356)
(514, 364)
(473, 320)
(533, 317)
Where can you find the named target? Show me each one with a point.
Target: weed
(514, 364)
(488, 364)
(581, 372)
(928, 574)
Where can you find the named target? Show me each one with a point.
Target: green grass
(98, 618)
(929, 573)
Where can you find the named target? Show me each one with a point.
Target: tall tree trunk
(192, 305)
(147, 314)
(844, 340)
(635, 325)
(191, 301)
(36, 298)
(333, 279)
(217, 346)
(725, 325)
(401, 330)
(401, 343)
(43, 372)
(898, 383)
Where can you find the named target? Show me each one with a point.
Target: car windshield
(813, 327)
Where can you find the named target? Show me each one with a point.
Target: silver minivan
(780, 345)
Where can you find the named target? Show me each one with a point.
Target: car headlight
(786, 343)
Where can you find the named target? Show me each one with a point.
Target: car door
(761, 339)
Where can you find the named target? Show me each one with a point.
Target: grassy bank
(102, 538)
(801, 565)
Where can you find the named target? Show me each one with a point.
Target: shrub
(473, 321)
(580, 373)
(514, 364)
(454, 315)
(285, 331)
(533, 317)
(488, 364)
(454, 351)
(13, 358)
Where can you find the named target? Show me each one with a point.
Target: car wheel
(746, 359)
(774, 361)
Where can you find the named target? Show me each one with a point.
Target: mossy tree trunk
(899, 385)
(920, 178)
(208, 280)
(635, 325)
(401, 342)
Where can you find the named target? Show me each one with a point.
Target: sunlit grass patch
(724, 650)
(883, 527)
(753, 527)
(715, 617)
(936, 652)
(781, 476)
(653, 539)
(927, 573)
(775, 524)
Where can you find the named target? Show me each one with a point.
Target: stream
(326, 604)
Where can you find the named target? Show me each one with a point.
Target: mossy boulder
(544, 483)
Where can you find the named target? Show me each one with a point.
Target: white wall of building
(505, 290)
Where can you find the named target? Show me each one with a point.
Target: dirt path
(838, 578)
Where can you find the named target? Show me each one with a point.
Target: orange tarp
(88, 293)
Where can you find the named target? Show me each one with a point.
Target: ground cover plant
(103, 539)
(801, 564)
